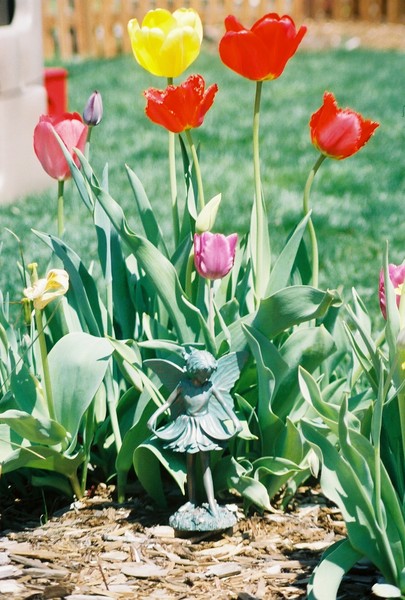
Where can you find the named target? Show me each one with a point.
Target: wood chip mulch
(97, 549)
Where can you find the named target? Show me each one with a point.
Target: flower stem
(311, 228)
(87, 147)
(74, 482)
(45, 364)
(211, 326)
(173, 181)
(61, 226)
(197, 169)
(260, 212)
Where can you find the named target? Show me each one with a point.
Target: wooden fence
(99, 27)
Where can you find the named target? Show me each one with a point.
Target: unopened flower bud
(93, 111)
(214, 254)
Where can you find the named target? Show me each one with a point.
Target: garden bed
(99, 549)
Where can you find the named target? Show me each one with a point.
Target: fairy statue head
(200, 365)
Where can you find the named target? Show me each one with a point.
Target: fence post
(84, 29)
(393, 11)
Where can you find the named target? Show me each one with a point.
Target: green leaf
(158, 269)
(285, 309)
(341, 484)
(36, 430)
(307, 347)
(26, 391)
(83, 294)
(275, 472)
(386, 590)
(229, 474)
(149, 222)
(327, 576)
(206, 218)
(147, 460)
(284, 264)
(292, 306)
(327, 410)
(260, 231)
(42, 457)
(265, 355)
(77, 365)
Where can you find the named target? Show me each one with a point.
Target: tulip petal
(182, 107)
(214, 254)
(73, 133)
(166, 44)
(339, 133)
(263, 51)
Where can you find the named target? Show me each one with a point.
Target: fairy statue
(202, 418)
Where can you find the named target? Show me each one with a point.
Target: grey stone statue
(202, 420)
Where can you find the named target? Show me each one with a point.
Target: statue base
(190, 518)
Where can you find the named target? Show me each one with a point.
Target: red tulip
(263, 51)
(339, 132)
(214, 254)
(180, 107)
(73, 133)
(397, 277)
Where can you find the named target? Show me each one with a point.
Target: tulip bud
(397, 277)
(93, 111)
(214, 254)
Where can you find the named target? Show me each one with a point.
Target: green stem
(45, 364)
(61, 226)
(74, 482)
(311, 228)
(87, 147)
(211, 326)
(88, 435)
(189, 272)
(112, 409)
(197, 169)
(173, 181)
(401, 407)
(258, 197)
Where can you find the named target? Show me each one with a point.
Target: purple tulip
(93, 111)
(397, 276)
(214, 254)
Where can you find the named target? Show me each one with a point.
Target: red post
(56, 89)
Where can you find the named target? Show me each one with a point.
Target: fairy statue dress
(201, 416)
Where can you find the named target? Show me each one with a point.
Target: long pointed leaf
(328, 575)
(284, 264)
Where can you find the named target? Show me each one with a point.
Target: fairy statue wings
(223, 379)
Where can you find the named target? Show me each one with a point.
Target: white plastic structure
(23, 98)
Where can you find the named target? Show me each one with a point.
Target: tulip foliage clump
(81, 383)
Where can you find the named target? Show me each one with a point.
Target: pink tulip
(397, 276)
(73, 133)
(214, 254)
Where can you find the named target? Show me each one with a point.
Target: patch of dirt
(97, 549)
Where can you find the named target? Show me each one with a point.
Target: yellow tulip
(43, 291)
(166, 44)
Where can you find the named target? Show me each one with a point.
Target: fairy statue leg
(208, 484)
(191, 491)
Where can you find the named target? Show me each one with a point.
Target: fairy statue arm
(151, 424)
(237, 424)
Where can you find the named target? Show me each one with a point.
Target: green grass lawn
(358, 203)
